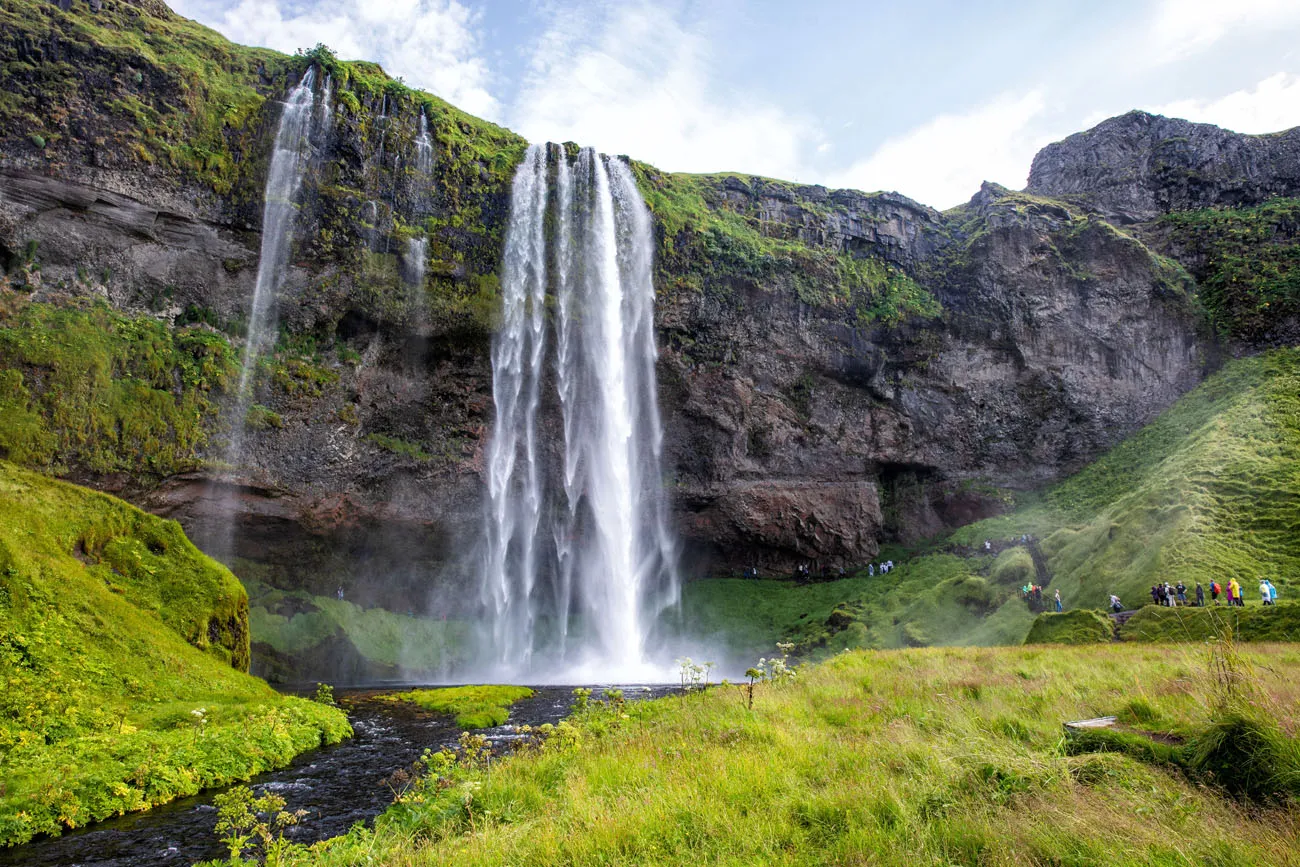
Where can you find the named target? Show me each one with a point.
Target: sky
(928, 97)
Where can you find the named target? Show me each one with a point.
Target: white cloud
(943, 161)
(1271, 105)
(1181, 28)
(640, 82)
(432, 44)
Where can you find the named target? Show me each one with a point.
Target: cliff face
(1137, 166)
(836, 368)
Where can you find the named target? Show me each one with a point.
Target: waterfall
(580, 560)
(423, 147)
(327, 104)
(283, 179)
(417, 251)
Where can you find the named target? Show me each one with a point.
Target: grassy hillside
(1209, 489)
(121, 649)
(951, 756)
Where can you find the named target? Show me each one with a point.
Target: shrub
(1080, 626)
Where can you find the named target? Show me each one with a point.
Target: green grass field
(122, 650)
(933, 756)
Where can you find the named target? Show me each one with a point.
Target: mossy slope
(121, 649)
(1081, 626)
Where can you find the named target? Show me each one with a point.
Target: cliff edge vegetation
(122, 657)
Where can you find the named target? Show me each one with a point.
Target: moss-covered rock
(1080, 626)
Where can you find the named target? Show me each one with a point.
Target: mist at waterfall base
(578, 557)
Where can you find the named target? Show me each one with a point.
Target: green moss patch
(122, 650)
(1081, 626)
(474, 707)
(86, 387)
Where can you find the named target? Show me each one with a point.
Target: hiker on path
(1265, 596)
(1272, 591)
(1171, 599)
(1182, 593)
(1058, 601)
(1155, 594)
(1115, 604)
(1234, 594)
(1215, 590)
(1200, 595)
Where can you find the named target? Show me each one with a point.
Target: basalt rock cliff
(836, 368)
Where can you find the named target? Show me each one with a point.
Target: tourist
(1272, 592)
(1171, 598)
(1200, 595)
(1234, 594)
(1058, 601)
(1155, 594)
(988, 546)
(1265, 596)
(1215, 591)
(1182, 593)
(871, 570)
(340, 593)
(1115, 604)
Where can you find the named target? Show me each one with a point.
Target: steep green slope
(122, 650)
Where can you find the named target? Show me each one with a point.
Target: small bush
(1247, 753)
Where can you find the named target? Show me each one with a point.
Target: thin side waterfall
(423, 147)
(580, 559)
(288, 162)
(417, 251)
(327, 103)
(284, 177)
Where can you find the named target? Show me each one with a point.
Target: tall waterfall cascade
(580, 561)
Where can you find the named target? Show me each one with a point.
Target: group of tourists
(884, 568)
(1173, 596)
(1032, 594)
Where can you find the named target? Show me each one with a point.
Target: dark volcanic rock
(1137, 166)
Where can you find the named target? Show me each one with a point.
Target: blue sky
(927, 98)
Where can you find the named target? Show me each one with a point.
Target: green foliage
(937, 756)
(240, 820)
(474, 707)
(399, 447)
(260, 417)
(86, 387)
(1080, 626)
(1013, 568)
(1248, 263)
(119, 649)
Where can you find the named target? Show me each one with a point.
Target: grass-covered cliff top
(121, 649)
(911, 757)
(141, 84)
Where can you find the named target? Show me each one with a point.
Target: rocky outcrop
(1137, 166)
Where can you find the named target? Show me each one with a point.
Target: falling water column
(514, 476)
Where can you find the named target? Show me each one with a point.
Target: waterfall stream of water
(423, 147)
(580, 560)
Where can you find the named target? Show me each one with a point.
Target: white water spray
(580, 560)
